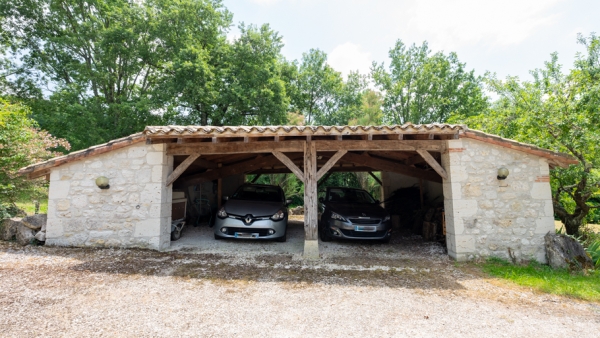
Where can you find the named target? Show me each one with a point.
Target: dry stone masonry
(134, 212)
(490, 217)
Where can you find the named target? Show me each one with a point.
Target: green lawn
(26, 203)
(545, 279)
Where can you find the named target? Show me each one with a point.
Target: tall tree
(561, 112)
(421, 87)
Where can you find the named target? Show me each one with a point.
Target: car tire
(282, 238)
(324, 235)
(386, 240)
(175, 235)
(218, 237)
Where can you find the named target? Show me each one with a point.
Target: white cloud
(349, 57)
(449, 24)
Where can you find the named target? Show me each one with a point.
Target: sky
(508, 37)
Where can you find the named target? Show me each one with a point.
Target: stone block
(156, 158)
(548, 208)
(311, 250)
(457, 173)
(161, 147)
(143, 176)
(96, 165)
(541, 191)
(464, 208)
(54, 228)
(159, 173)
(544, 225)
(147, 228)
(59, 189)
(137, 152)
(63, 204)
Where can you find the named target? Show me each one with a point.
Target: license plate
(366, 228)
(246, 235)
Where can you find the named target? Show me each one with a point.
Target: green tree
(561, 112)
(370, 110)
(21, 144)
(421, 87)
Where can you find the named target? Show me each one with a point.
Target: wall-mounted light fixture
(102, 182)
(502, 173)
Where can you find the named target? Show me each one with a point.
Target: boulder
(8, 229)
(564, 252)
(299, 210)
(24, 234)
(36, 222)
(41, 236)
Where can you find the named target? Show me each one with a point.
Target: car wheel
(324, 235)
(282, 238)
(218, 237)
(386, 240)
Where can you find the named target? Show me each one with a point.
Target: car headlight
(338, 217)
(278, 216)
(386, 218)
(222, 213)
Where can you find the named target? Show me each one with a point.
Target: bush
(594, 251)
(9, 211)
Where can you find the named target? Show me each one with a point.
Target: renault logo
(248, 219)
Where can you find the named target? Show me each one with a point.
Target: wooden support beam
(385, 165)
(288, 163)
(311, 243)
(330, 163)
(181, 168)
(207, 148)
(376, 178)
(219, 190)
(433, 163)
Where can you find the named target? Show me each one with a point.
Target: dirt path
(406, 289)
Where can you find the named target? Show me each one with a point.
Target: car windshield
(256, 193)
(349, 196)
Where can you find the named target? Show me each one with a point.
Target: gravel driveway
(405, 289)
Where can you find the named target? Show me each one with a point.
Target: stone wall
(490, 217)
(134, 212)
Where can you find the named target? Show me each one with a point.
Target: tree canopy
(560, 112)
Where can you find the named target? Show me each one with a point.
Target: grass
(26, 203)
(545, 279)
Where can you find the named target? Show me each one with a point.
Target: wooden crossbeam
(207, 148)
(385, 165)
(181, 168)
(433, 163)
(290, 164)
(330, 163)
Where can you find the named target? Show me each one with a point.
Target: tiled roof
(407, 128)
(39, 169)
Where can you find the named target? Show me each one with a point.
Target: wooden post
(311, 242)
(421, 191)
(219, 190)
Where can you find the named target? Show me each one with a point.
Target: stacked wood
(433, 220)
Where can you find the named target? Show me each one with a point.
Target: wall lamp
(102, 182)
(502, 173)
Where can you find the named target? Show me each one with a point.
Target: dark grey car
(350, 213)
(254, 211)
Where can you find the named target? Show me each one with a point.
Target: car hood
(254, 208)
(355, 209)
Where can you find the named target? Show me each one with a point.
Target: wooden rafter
(181, 168)
(231, 170)
(385, 165)
(433, 163)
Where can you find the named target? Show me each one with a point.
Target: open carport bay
(200, 240)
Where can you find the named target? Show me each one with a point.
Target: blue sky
(508, 37)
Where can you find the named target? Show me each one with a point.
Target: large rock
(564, 252)
(25, 235)
(36, 221)
(8, 229)
(299, 210)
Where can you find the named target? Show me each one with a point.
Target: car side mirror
(226, 198)
(288, 202)
(321, 199)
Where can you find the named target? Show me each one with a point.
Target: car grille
(352, 233)
(260, 232)
(364, 221)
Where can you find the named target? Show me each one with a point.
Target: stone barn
(495, 192)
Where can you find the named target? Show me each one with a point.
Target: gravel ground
(407, 288)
